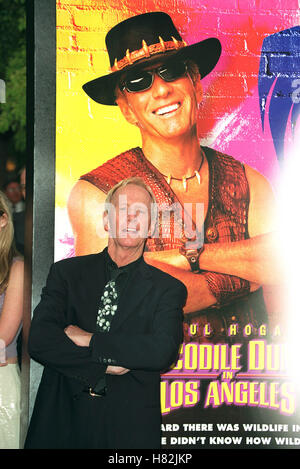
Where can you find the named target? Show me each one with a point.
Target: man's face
(13, 192)
(130, 216)
(167, 109)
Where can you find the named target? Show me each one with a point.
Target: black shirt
(121, 275)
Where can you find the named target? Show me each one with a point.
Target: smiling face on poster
(175, 100)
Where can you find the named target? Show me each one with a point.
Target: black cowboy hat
(144, 39)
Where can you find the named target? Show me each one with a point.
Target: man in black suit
(105, 328)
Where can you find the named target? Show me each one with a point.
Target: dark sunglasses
(143, 80)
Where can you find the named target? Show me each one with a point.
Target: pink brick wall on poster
(229, 117)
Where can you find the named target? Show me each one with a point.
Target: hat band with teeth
(147, 51)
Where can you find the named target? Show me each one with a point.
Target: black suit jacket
(144, 337)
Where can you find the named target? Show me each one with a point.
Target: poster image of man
(216, 232)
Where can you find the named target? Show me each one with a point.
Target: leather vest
(226, 221)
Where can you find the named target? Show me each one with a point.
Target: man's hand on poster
(171, 257)
(255, 259)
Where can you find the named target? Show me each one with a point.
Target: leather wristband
(192, 255)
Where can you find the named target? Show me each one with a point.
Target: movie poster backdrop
(250, 111)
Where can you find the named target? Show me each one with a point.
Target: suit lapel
(140, 286)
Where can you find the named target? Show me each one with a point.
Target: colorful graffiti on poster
(250, 111)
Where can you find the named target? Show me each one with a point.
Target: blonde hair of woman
(11, 310)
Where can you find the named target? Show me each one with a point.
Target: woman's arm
(12, 311)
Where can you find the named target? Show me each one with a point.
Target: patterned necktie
(108, 306)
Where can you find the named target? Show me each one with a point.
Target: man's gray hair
(137, 181)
